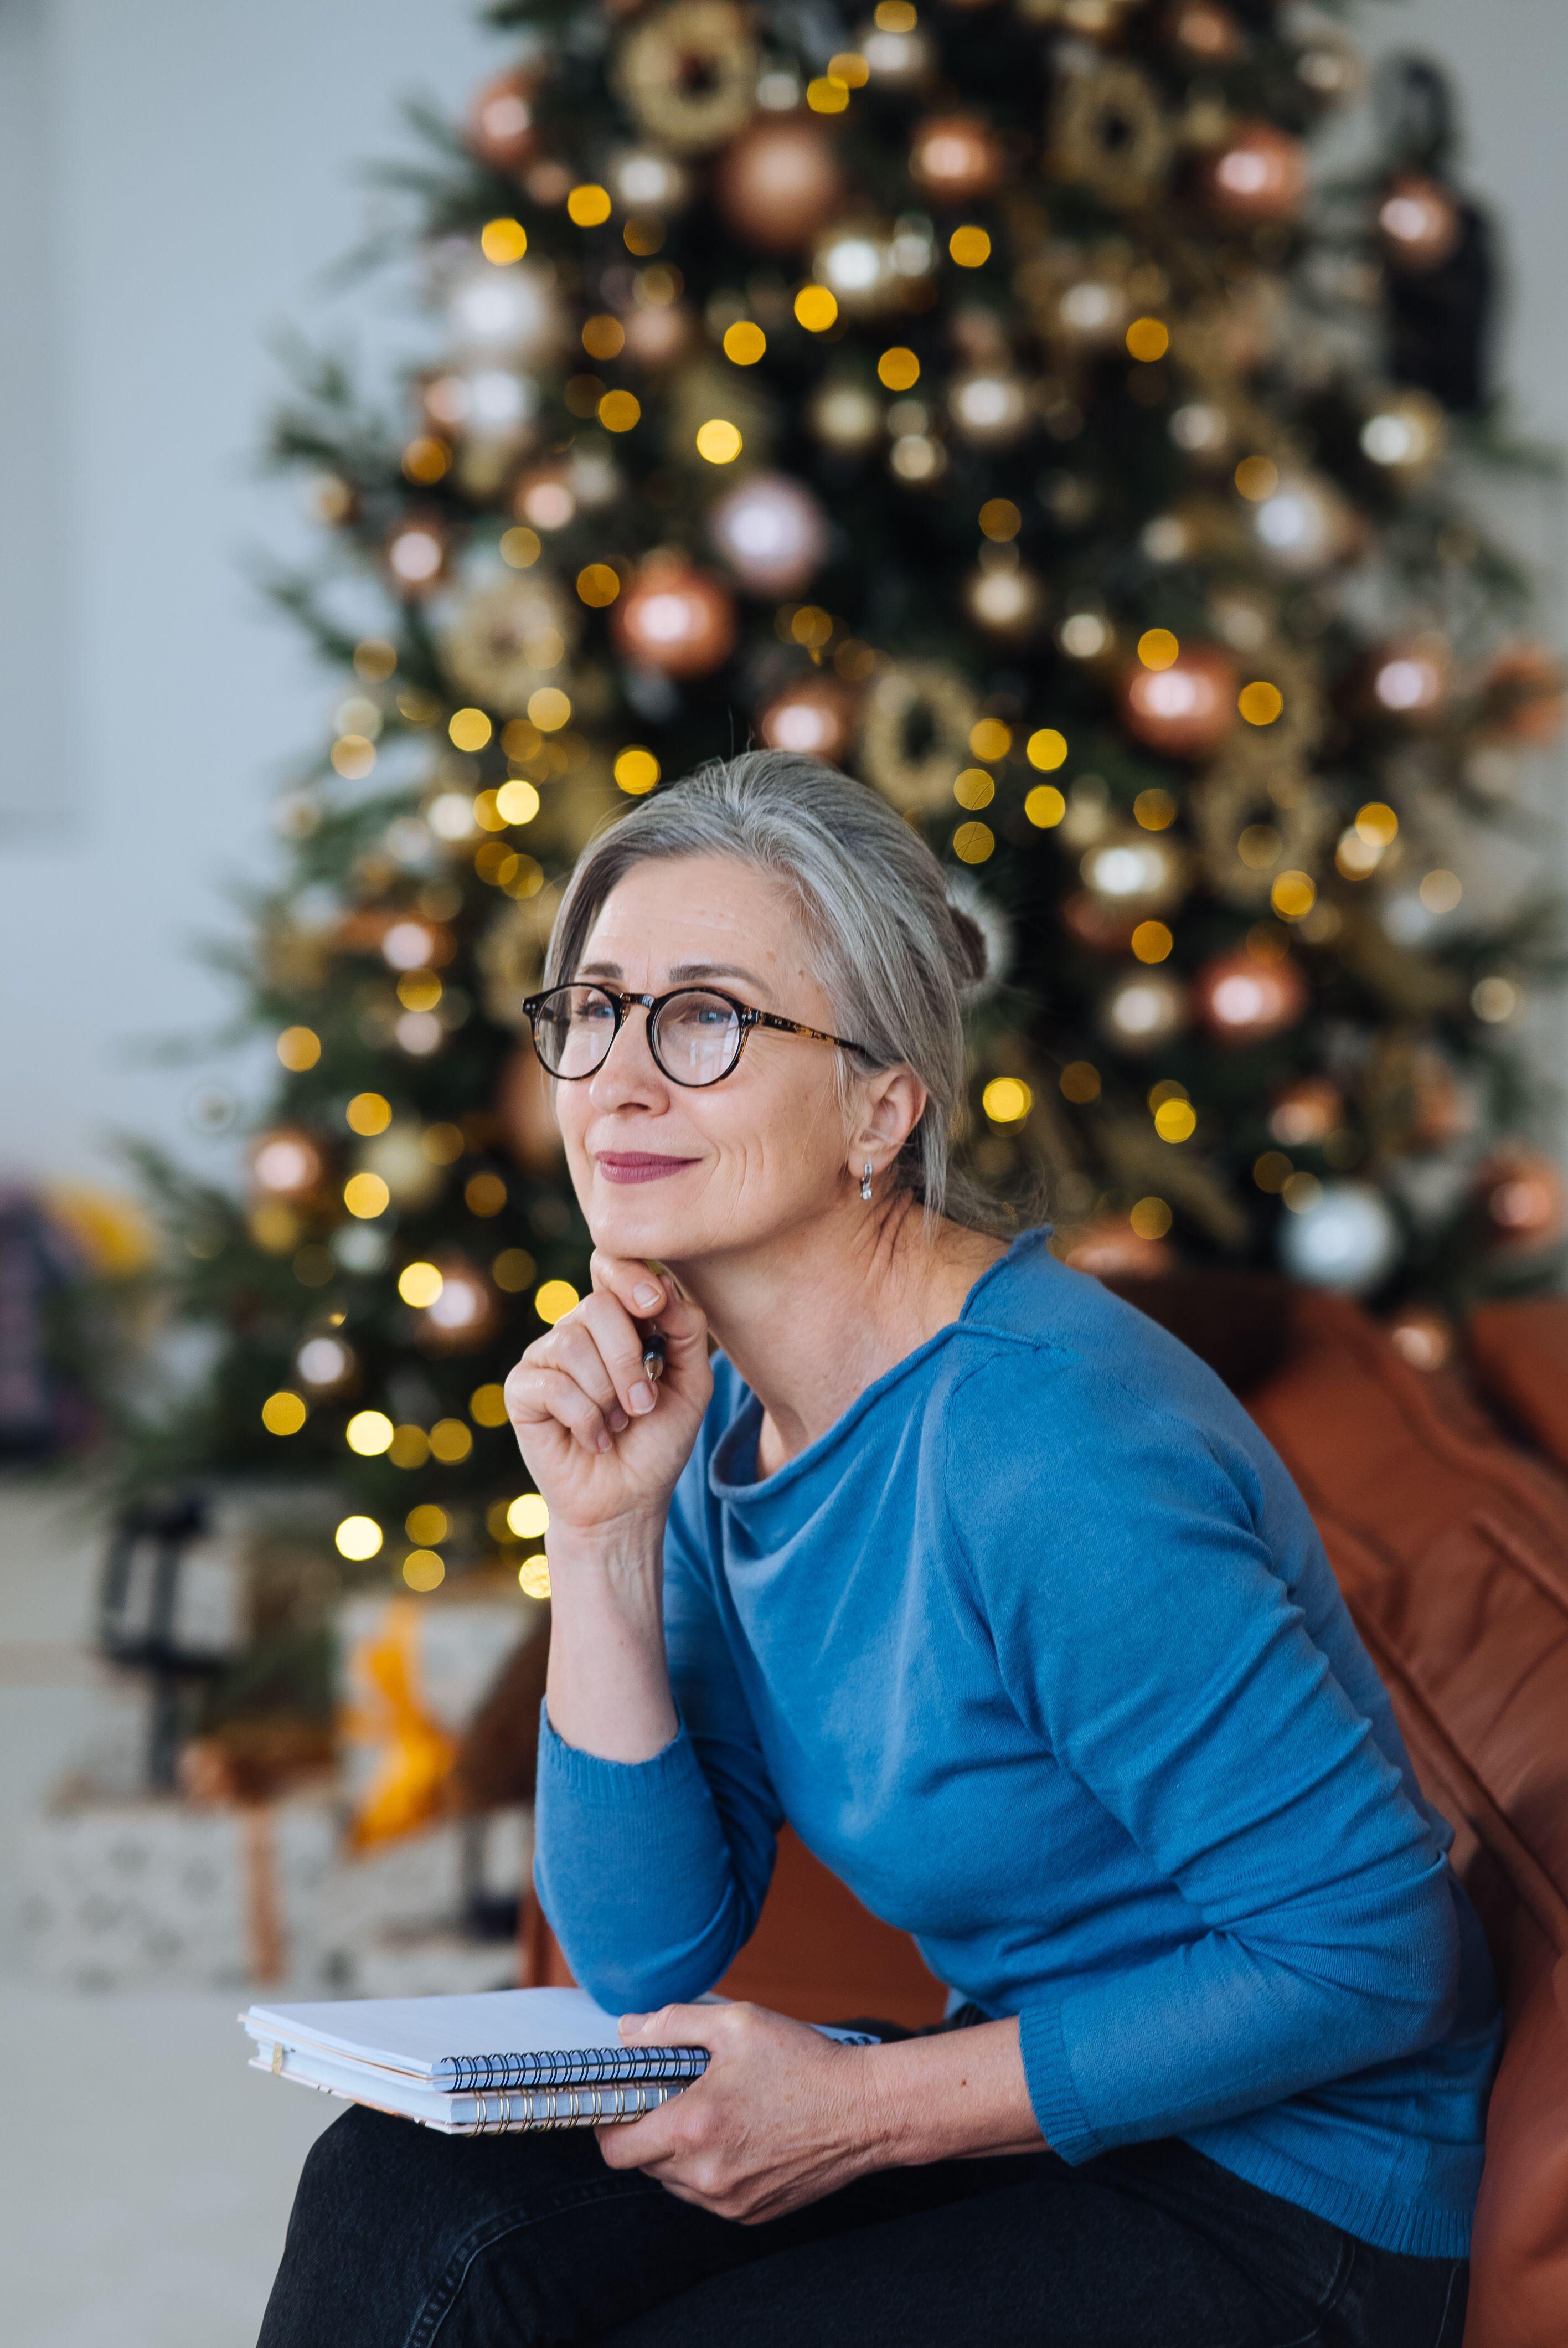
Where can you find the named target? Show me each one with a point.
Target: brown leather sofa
(1443, 1502)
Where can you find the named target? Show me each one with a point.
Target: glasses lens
(697, 1038)
(573, 1030)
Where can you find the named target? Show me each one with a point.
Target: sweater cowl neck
(732, 1464)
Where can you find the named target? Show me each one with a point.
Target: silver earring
(866, 1183)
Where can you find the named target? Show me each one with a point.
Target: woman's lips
(638, 1166)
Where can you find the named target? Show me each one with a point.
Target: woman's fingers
(536, 1392)
(650, 1295)
(603, 1321)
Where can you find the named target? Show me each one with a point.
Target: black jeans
(403, 2239)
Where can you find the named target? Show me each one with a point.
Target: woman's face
(676, 1171)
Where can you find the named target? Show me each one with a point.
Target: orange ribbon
(409, 1787)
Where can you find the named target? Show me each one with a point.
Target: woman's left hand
(781, 2116)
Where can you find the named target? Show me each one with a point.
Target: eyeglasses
(695, 1035)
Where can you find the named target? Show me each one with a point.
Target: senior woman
(990, 1588)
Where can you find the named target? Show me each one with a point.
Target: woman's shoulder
(1049, 1372)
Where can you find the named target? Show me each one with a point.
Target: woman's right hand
(603, 1444)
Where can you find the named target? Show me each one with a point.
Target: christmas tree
(983, 397)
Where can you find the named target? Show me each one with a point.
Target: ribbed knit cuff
(618, 1785)
(1050, 2081)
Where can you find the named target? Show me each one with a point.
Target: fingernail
(646, 1294)
(604, 1443)
(640, 1397)
(618, 1419)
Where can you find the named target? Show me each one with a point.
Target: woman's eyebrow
(681, 974)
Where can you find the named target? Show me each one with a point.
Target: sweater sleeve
(1146, 1633)
(654, 1873)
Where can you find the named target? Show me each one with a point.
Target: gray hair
(894, 952)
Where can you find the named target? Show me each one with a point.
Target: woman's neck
(820, 1314)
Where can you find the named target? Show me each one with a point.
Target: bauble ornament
(845, 416)
(779, 184)
(1242, 1000)
(1258, 175)
(1306, 1112)
(1303, 525)
(1186, 709)
(462, 1313)
(772, 534)
(1007, 600)
(508, 313)
(1143, 1010)
(503, 120)
(1408, 682)
(1520, 1195)
(1345, 1238)
(815, 716)
(1418, 223)
(956, 159)
(675, 618)
(288, 1164)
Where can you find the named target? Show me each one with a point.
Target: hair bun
(973, 956)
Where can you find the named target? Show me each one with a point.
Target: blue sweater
(1038, 1649)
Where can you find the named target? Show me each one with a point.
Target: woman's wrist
(947, 2098)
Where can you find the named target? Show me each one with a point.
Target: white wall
(199, 164)
(199, 157)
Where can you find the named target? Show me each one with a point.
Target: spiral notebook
(500, 2061)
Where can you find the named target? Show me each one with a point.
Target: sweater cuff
(1049, 2078)
(618, 1785)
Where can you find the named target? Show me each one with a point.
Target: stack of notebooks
(503, 2060)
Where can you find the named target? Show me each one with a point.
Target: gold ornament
(507, 639)
(689, 74)
(915, 735)
(1256, 817)
(511, 956)
(1108, 132)
(1008, 600)
(1258, 175)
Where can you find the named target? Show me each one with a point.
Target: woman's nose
(629, 1072)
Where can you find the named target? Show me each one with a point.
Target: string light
(529, 1515)
(358, 1538)
(744, 343)
(898, 368)
(488, 1405)
(1045, 806)
(299, 1048)
(503, 241)
(588, 206)
(366, 1196)
(284, 1413)
(619, 410)
(719, 441)
(1007, 1100)
(534, 1576)
(969, 247)
(423, 1569)
(815, 308)
(554, 1299)
(1047, 750)
(369, 1433)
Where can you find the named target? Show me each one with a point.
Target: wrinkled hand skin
(780, 2116)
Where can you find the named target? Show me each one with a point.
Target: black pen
(653, 1354)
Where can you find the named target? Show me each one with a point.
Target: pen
(653, 1354)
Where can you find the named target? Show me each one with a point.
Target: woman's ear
(891, 1105)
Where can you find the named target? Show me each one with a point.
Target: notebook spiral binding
(568, 2107)
(479, 2073)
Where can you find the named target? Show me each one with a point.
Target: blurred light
(1079, 1082)
(1441, 891)
(1260, 704)
(744, 343)
(974, 787)
(588, 206)
(969, 247)
(1047, 750)
(529, 1515)
(636, 770)
(898, 368)
(517, 802)
(450, 1441)
(520, 548)
(299, 1048)
(1007, 1100)
(604, 337)
(426, 1525)
(1152, 941)
(419, 1284)
(1175, 1120)
(324, 1360)
(470, 729)
(512, 1270)
(718, 440)
(973, 842)
(1083, 635)
(534, 1576)
(409, 1447)
(1293, 895)
(550, 709)
(1155, 810)
(1377, 824)
(423, 1569)
(503, 241)
(1257, 477)
(358, 1537)
(1045, 806)
(597, 585)
(1151, 1218)
(1494, 999)
(369, 1432)
(1158, 648)
(366, 1196)
(815, 308)
(1148, 339)
(488, 1405)
(554, 1299)
(284, 1413)
(618, 411)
